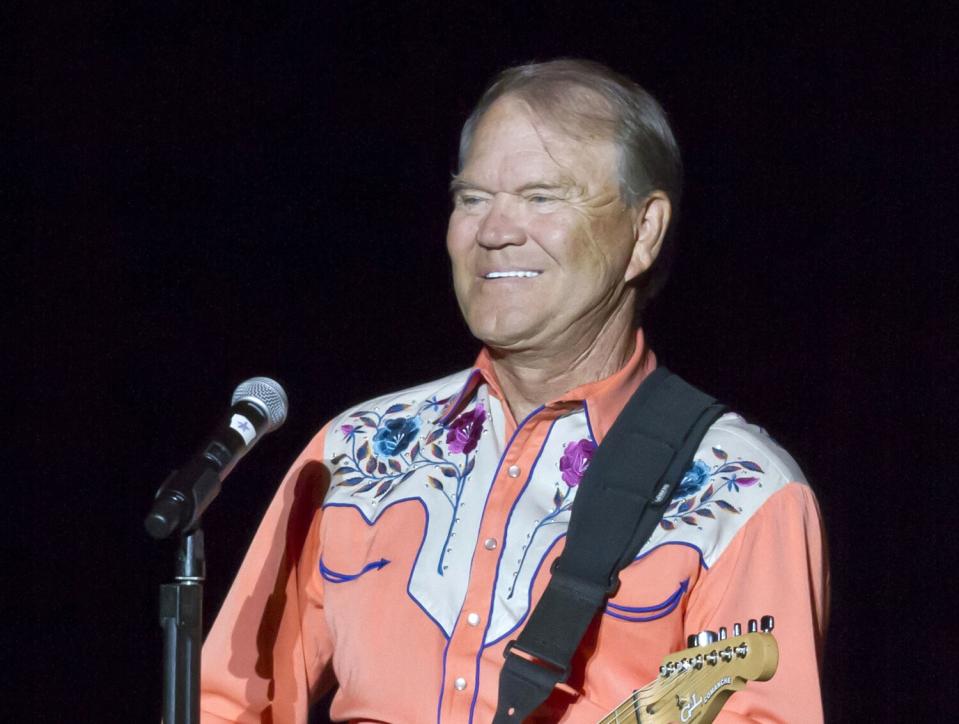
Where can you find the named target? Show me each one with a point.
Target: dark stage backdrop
(218, 190)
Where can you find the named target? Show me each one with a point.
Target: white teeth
(506, 274)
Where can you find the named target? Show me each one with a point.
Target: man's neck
(532, 378)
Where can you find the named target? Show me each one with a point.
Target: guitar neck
(625, 713)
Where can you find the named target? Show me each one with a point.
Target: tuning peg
(752, 626)
(722, 633)
(737, 629)
(767, 623)
(707, 637)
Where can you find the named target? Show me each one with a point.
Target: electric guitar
(693, 684)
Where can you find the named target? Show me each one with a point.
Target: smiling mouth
(512, 275)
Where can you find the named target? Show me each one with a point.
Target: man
(411, 538)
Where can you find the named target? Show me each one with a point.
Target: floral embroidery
(465, 431)
(695, 478)
(572, 465)
(393, 452)
(685, 503)
(394, 436)
(576, 460)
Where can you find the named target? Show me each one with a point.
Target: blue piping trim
(589, 424)
(335, 577)
(529, 477)
(418, 551)
(663, 609)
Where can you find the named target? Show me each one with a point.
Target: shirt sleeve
(266, 657)
(775, 565)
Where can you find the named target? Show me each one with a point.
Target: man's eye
(539, 199)
(470, 201)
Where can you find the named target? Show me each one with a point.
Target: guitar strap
(620, 500)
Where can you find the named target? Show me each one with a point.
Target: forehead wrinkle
(555, 129)
(564, 160)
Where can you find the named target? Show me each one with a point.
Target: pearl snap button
(513, 471)
(473, 619)
(459, 684)
(489, 544)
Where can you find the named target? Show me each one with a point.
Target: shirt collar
(603, 399)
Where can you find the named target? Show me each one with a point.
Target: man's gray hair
(587, 100)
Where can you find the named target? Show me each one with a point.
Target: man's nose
(502, 225)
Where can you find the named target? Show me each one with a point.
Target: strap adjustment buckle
(611, 588)
(551, 668)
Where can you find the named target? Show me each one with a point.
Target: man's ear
(650, 220)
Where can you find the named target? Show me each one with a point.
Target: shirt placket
(466, 643)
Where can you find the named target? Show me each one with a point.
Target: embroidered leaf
(414, 451)
(437, 451)
(707, 494)
(359, 413)
(725, 505)
(352, 481)
(687, 504)
(371, 465)
(395, 465)
(369, 421)
(395, 408)
(720, 453)
(557, 499)
(690, 520)
(469, 467)
(363, 451)
(750, 465)
(435, 435)
(366, 488)
(344, 470)
(448, 472)
(434, 482)
(337, 458)
(672, 505)
(407, 474)
(747, 481)
(667, 524)
(384, 488)
(731, 467)
(705, 512)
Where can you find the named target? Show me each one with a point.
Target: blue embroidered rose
(394, 436)
(694, 479)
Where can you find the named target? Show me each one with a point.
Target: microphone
(259, 406)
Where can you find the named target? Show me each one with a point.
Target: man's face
(540, 239)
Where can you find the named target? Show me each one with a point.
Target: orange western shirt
(409, 541)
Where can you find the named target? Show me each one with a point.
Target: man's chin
(506, 338)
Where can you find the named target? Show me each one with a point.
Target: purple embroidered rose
(575, 461)
(465, 430)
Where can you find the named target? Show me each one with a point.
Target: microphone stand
(259, 406)
(181, 617)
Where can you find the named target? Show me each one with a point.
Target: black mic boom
(259, 407)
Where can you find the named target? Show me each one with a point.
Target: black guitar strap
(620, 500)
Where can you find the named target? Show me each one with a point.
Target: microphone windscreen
(267, 394)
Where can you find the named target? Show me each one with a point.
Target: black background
(218, 190)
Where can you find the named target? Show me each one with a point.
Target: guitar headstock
(694, 683)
